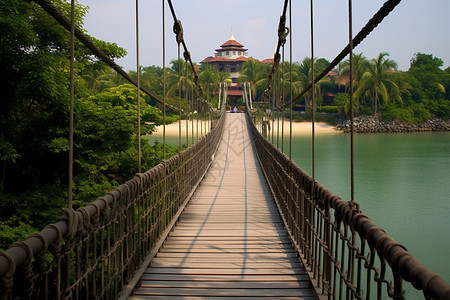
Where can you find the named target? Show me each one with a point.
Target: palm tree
(151, 78)
(99, 79)
(251, 73)
(376, 83)
(209, 80)
(360, 66)
(304, 79)
(224, 77)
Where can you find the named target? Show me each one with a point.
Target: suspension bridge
(230, 216)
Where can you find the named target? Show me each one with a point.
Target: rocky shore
(373, 124)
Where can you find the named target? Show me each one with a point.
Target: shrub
(330, 109)
(416, 113)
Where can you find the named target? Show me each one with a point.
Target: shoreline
(363, 124)
(373, 124)
(298, 128)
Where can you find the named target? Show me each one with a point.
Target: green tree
(426, 68)
(7, 154)
(35, 83)
(209, 80)
(360, 66)
(34, 51)
(342, 101)
(304, 78)
(377, 82)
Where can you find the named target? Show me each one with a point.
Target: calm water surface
(402, 181)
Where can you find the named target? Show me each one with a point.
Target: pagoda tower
(232, 49)
(229, 58)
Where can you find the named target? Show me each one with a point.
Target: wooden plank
(217, 271)
(222, 277)
(225, 292)
(217, 239)
(228, 255)
(142, 297)
(158, 263)
(225, 285)
(233, 249)
(231, 233)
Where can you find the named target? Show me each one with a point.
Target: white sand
(298, 128)
(304, 128)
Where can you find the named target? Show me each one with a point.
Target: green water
(402, 181)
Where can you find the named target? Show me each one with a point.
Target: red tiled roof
(223, 59)
(231, 43)
(267, 61)
(231, 49)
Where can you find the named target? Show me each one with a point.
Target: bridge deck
(230, 241)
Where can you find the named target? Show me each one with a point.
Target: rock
(372, 124)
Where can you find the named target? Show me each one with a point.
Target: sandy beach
(298, 128)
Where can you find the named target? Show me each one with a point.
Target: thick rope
(384, 11)
(86, 41)
(178, 30)
(282, 34)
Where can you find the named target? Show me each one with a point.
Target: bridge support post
(327, 251)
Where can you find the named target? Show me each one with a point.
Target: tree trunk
(376, 101)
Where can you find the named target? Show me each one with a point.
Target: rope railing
(95, 251)
(325, 229)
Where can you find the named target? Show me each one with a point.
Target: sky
(414, 26)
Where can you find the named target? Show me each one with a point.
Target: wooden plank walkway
(230, 241)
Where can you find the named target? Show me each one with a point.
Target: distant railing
(348, 256)
(94, 252)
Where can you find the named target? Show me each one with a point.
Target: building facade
(229, 58)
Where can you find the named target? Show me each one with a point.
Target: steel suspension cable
(72, 100)
(273, 114)
(164, 75)
(282, 100)
(138, 72)
(313, 92)
(383, 12)
(186, 95)
(179, 96)
(290, 79)
(311, 211)
(191, 91)
(277, 101)
(352, 113)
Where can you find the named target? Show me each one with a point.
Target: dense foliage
(412, 96)
(34, 119)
